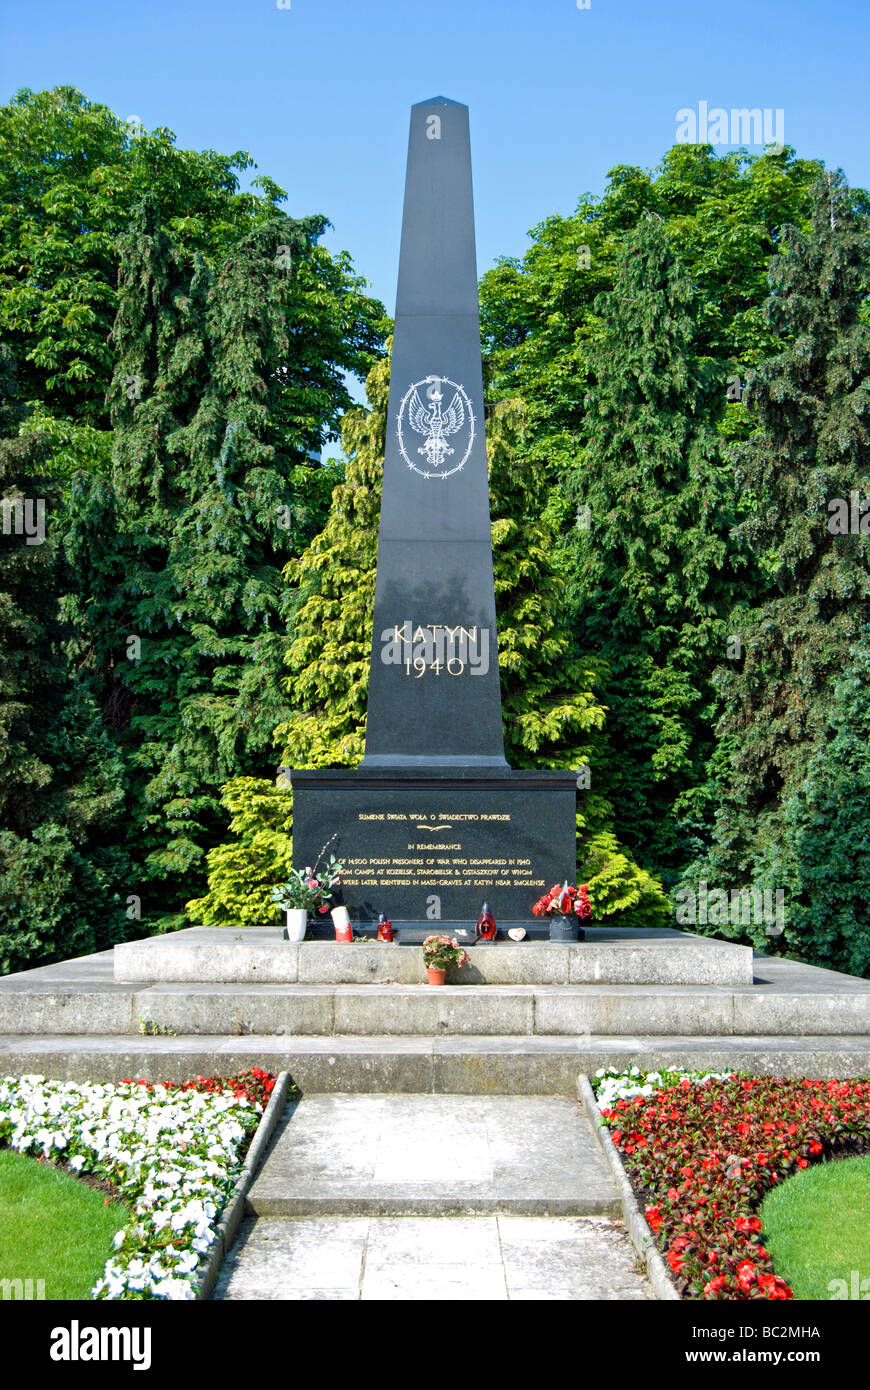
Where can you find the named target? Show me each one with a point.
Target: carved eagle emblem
(436, 424)
(422, 410)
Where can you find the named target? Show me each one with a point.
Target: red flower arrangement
(565, 900)
(254, 1085)
(708, 1152)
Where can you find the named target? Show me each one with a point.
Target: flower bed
(173, 1151)
(706, 1149)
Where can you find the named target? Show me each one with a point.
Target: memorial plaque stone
(434, 820)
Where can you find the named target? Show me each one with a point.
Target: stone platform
(259, 955)
(358, 1018)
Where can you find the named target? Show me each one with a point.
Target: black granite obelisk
(434, 695)
(434, 820)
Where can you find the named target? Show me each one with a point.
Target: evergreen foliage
(333, 583)
(811, 455)
(653, 570)
(70, 172)
(813, 447)
(721, 215)
(183, 348)
(543, 333)
(200, 607)
(825, 865)
(244, 870)
(215, 406)
(61, 781)
(327, 657)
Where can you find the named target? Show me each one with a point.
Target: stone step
(259, 955)
(452, 1259)
(783, 1004)
(466, 1066)
(434, 1155)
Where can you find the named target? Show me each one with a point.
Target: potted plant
(438, 953)
(308, 890)
(561, 905)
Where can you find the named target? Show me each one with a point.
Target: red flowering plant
(253, 1085)
(565, 900)
(703, 1154)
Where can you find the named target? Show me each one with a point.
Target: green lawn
(53, 1227)
(817, 1228)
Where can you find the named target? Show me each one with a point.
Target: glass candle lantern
(486, 928)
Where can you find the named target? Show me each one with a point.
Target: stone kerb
(636, 1224)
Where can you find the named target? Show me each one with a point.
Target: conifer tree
(808, 468)
(653, 571)
(552, 712)
(334, 590)
(822, 862)
(812, 451)
(62, 874)
(215, 405)
(331, 588)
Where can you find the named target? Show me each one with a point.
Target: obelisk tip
(439, 101)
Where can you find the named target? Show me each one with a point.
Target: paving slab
(427, 1155)
(494, 1258)
(570, 1258)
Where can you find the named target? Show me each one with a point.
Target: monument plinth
(434, 820)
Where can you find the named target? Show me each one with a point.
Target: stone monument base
(427, 846)
(607, 959)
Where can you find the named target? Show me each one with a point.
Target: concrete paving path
(433, 1197)
(432, 1258)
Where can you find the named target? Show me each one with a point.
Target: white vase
(297, 922)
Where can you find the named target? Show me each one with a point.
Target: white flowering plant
(611, 1084)
(172, 1153)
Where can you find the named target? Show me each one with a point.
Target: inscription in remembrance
(440, 854)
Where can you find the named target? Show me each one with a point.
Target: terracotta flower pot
(436, 976)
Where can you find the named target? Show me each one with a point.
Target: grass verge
(54, 1227)
(817, 1229)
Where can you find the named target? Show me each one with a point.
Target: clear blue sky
(320, 93)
